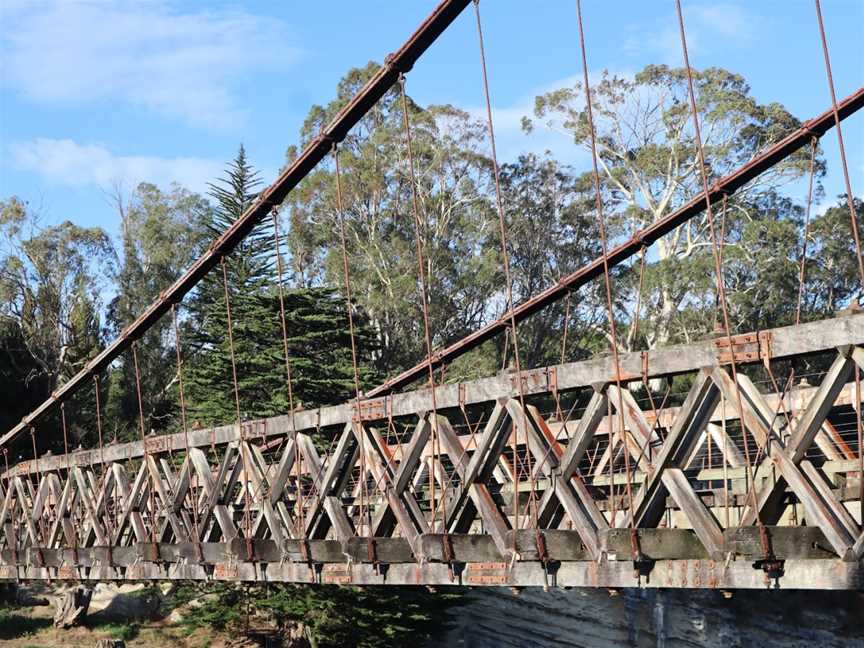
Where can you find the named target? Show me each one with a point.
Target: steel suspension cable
(566, 326)
(635, 333)
(859, 429)
(193, 474)
(65, 438)
(601, 224)
(14, 525)
(853, 221)
(421, 228)
(247, 519)
(298, 456)
(101, 453)
(646, 450)
(835, 107)
(144, 442)
(721, 255)
(68, 474)
(721, 291)
(801, 270)
(42, 527)
(502, 225)
(346, 272)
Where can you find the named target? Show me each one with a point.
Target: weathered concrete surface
(495, 617)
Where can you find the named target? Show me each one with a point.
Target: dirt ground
(31, 627)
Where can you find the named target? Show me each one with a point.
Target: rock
(72, 607)
(124, 602)
(28, 599)
(178, 614)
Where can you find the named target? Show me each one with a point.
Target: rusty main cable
(400, 61)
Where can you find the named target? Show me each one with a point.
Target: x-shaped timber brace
(155, 511)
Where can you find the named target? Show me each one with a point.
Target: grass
(14, 625)
(124, 631)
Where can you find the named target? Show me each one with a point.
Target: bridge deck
(410, 496)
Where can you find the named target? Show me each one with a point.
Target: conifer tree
(316, 322)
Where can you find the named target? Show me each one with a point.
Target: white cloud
(67, 163)
(708, 27)
(512, 141)
(153, 56)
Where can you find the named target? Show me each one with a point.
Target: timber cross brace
(172, 508)
(514, 479)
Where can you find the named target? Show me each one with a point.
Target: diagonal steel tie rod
(815, 127)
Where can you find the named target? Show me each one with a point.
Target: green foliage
(221, 607)
(647, 152)
(14, 625)
(51, 282)
(548, 237)
(162, 232)
(316, 323)
(124, 631)
(369, 617)
(462, 263)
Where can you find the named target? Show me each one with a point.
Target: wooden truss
(521, 496)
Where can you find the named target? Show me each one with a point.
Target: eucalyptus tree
(452, 179)
(51, 294)
(161, 233)
(649, 167)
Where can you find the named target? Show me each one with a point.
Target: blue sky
(95, 93)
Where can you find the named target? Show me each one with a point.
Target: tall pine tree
(318, 338)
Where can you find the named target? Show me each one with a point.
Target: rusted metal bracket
(225, 571)
(336, 574)
(748, 347)
(369, 410)
(155, 444)
(774, 570)
(486, 573)
(545, 379)
(67, 573)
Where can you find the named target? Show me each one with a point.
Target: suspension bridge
(549, 476)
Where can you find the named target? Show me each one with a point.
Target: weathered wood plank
(787, 341)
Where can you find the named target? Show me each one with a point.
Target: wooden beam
(789, 341)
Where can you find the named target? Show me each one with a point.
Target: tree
(831, 268)
(316, 324)
(247, 274)
(161, 233)
(550, 236)
(50, 291)
(322, 616)
(18, 397)
(649, 166)
(453, 177)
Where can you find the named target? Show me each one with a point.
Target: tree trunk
(72, 608)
